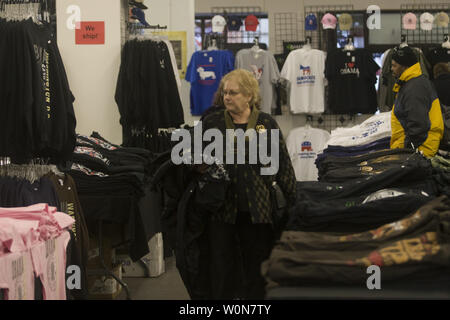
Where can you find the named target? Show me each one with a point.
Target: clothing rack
(24, 9)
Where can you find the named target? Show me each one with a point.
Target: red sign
(90, 32)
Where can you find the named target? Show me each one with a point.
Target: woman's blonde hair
(440, 68)
(248, 86)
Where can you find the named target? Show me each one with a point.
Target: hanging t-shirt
(204, 72)
(17, 276)
(264, 67)
(351, 78)
(304, 144)
(49, 260)
(304, 68)
(439, 54)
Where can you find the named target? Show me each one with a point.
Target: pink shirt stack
(33, 241)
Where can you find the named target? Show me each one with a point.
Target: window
(203, 31)
(390, 33)
(357, 31)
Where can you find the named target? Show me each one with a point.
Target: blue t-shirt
(204, 72)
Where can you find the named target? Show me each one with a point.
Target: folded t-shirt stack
(410, 251)
(112, 183)
(103, 168)
(360, 204)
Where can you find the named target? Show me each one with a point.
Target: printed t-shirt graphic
(204, 72)
(17, 276)
(265, 69)
(304, 68)
(304, 144)
(351, 78)
(49, 259)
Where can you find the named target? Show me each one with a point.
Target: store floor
(167, 286)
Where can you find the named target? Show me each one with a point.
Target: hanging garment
(436, 55)
(304, 144)
(264, 67)
(49, 260)
(146, 92)
(38, 119)
(351, 77)
(304, 68)
(204, 72)
(17, 276)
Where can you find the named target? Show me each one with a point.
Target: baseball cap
(345, 21)
(140, 15)
(426, 21)
(218, 23)
(310, 22)
(329, 21)
(409, 21)
(234, 23)
(442, 19)
(139, 3)
(251, 23)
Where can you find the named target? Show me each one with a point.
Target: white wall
(178, 15)
(92, 69)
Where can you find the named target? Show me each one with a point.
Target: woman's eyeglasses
(230, 92)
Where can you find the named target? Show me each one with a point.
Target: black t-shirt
(437, 55)
(442, 85)
(146, 93)
(352, 77)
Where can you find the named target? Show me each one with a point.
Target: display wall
(93, 69)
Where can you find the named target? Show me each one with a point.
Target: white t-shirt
(304, 144)
(304, 69)
(375, 128)
(218, 23)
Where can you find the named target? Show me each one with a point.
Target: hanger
(404, 42)
(309, 121)
(446, 43)
(256, 44)
(308, 42)
(349, 46)
(213, 45)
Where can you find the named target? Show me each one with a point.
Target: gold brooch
(260, 128)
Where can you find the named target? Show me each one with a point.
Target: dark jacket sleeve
(417, 105)
(286, 175)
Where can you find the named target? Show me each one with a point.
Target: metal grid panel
(424, 37)
(286, 29)
(320, 37)
(222, 10)
(241, 36)
(330, 122)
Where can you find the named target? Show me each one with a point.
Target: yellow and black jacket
(416, 116)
